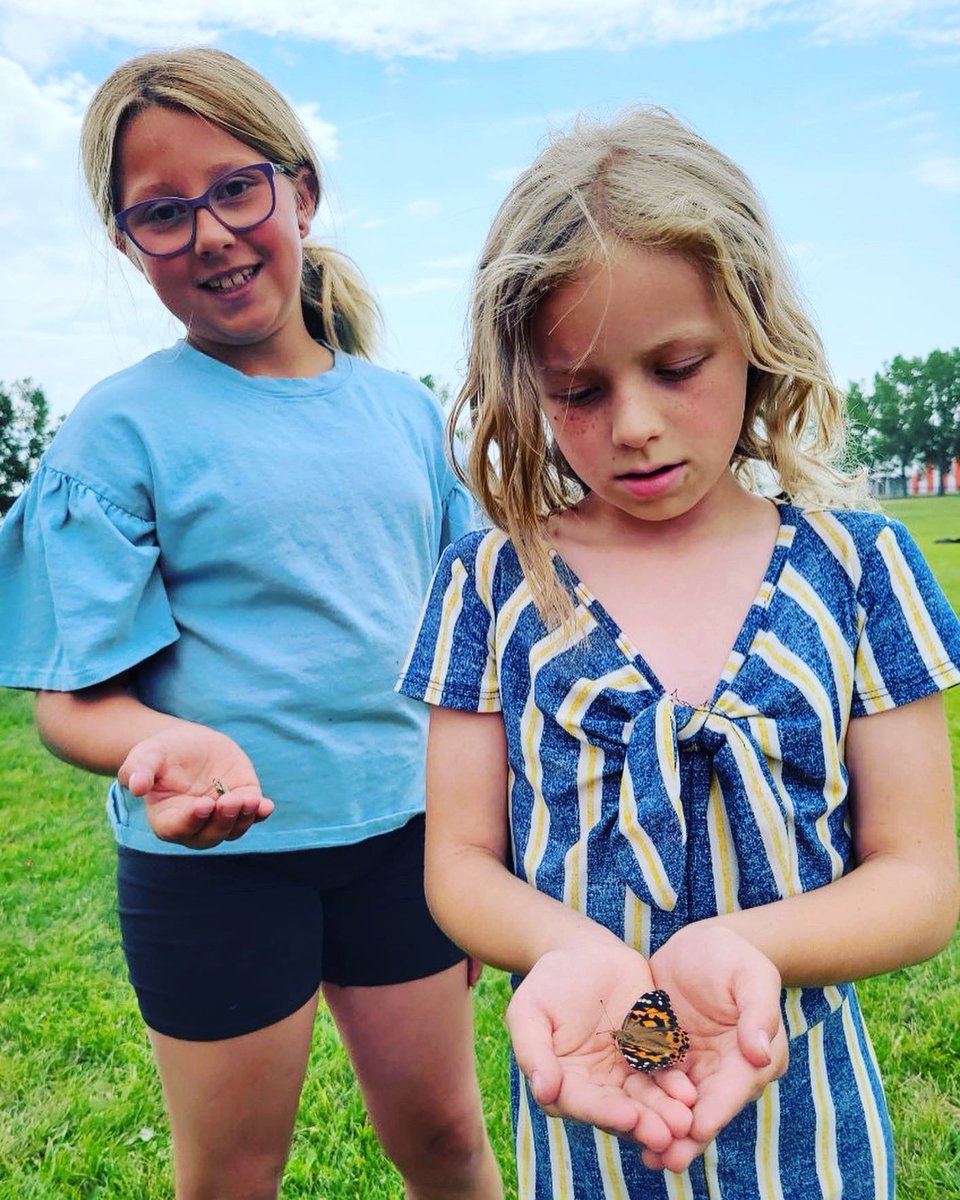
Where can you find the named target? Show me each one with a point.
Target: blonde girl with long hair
(688, 773)
(211, 583)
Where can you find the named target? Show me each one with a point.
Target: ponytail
(337, 306)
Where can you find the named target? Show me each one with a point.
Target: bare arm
(97, 727)
(574, 968)
(467, 846)
(199, 787)
(899, 904)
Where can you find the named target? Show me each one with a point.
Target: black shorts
(221, 945)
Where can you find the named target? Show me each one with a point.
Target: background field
(82, 1109)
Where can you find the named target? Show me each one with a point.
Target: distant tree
(440, 390)
(861, 447)
(938, 379)
(895, 417)
(24, 434)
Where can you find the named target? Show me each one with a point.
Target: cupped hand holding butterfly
(198, 786)
(563, 1045)
(727, 997)
(725, 994)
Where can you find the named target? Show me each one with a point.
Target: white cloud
(322, 133)
(63, 285)
(922, 22)
(39, 32)
(941, 173)
(37, 123)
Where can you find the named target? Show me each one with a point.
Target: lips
(653, 473)
(648, 485)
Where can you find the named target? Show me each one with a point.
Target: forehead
(166, 151)
(639, 297)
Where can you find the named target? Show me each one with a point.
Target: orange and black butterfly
(651, 1037)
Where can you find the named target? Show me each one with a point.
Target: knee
(247, 1177)
(440, 1149)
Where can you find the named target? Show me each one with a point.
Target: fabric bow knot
(651, 840)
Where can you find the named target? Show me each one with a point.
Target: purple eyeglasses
(167, 225)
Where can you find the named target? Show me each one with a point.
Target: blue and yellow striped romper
(647, 813)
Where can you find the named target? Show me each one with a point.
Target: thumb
(139, 770)
(532, 1035)
(759, 1020)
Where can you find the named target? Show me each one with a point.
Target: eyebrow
(156, 190)
(693, 334)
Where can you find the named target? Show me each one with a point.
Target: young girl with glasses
(211, 582)
(701, 727)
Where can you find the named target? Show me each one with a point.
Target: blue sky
(846, 114)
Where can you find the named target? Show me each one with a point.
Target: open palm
(727, 997)
(556, 1021)
(198, 786)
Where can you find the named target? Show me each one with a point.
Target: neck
(298, 357)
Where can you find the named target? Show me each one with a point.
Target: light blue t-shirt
(257, 551)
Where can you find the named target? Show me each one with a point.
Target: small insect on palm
(651, 1038)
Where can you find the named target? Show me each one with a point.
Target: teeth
(226, 282)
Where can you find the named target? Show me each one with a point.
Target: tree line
(910, 415)
(24, 433)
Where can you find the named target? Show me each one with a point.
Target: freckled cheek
(573, 422)
(581, 437)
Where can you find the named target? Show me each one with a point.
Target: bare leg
(411, 1045)
(232, 1106)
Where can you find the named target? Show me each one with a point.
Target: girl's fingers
(180, 820)
(202, 822)
(724, 1093)
(677, 1084)
(138, 771)
(675, 1111)
(608, 1108)
(675, 1157)
(653, 1132)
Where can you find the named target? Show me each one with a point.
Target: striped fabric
(647, 813)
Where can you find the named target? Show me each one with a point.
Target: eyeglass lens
(240, 200)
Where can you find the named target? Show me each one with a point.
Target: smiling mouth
(229, 283)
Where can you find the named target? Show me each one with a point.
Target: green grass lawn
(83, 1116)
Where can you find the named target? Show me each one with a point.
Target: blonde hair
(644, 179)
(219, 88)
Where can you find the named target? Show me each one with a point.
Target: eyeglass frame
(269, 171)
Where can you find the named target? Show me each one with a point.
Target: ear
(129, 251)
(307, 191)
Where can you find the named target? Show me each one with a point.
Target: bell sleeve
(460, 514)
(81, 591)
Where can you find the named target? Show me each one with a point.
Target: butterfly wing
(651, 1037)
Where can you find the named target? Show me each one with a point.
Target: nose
(636, 416)
(211, 235)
